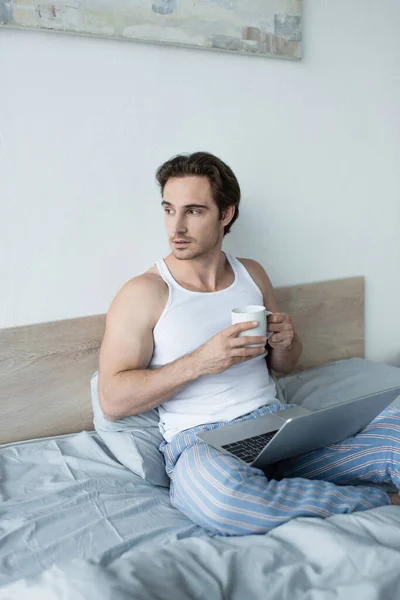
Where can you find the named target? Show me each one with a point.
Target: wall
(84, 123)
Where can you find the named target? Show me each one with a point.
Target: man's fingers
(278, 318)
(248, 339)
(278, 327)
(239, 327)
(278, 337)
(247, 352)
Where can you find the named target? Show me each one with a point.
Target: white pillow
(134, 441)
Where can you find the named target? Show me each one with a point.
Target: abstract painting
(269, 28)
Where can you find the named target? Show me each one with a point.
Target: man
(169, 344)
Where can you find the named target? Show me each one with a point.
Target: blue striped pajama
(226, 496)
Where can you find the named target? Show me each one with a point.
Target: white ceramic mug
(252, 312)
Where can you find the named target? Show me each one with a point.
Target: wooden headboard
(45, 369)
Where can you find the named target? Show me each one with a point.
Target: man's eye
(192, 210)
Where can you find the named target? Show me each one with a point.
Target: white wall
(85, 122)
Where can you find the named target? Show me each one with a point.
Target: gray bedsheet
(346, 557)
(75, 525)
(67, 497)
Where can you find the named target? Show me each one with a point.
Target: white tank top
(188, 321)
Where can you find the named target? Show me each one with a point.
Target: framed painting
(270, 28)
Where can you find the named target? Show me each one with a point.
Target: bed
(77, 520)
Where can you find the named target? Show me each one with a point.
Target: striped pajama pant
(226, 496)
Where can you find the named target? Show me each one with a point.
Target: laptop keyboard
(249, 448)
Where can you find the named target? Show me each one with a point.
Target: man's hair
(224, 185)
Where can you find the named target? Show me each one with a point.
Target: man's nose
(180, 226)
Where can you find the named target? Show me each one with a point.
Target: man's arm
(284, 353)
(126, 386)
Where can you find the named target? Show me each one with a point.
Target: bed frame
(45, 369)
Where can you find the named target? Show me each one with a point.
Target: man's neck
(205, 273)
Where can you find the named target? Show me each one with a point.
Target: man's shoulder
(260, 276)
(148, 289)
(253, 266)
(250, 262)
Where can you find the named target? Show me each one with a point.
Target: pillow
(338, 381)
(134, 441)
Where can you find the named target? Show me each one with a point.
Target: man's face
(191, 215)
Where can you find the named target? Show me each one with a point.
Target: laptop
(268, 439)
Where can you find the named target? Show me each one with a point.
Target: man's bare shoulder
(254, 267)
(148, 282)
(261, 278)
(147, 293)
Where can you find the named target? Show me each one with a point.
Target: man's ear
(228, 215)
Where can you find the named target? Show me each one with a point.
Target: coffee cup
(252, 312)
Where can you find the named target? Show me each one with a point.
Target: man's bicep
(128, 338)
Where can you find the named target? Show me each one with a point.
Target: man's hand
(283, 334)
(226, 349)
